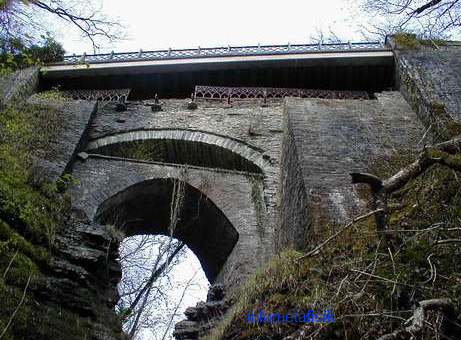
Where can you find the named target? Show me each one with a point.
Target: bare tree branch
(430, 4)
(18, 20)
(380, 189)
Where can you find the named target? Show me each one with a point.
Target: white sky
(152, 25)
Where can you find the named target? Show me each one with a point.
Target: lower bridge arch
(155, 205)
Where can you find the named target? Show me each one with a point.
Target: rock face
(81, 283)
(203, 316)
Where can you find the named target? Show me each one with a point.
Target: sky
(152, 25)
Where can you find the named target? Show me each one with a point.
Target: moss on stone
(406, 41)
(31, 209)
(435, 114)
(434, 43)
(446, 126)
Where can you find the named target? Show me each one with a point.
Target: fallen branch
(419, 317)
(324, 243)
(441, 153)
(10, 263)
(449, 240)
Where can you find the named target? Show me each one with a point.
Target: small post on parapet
(229, 93)
(121, 104)
(192, 105)
(264, 98)
(156, 106)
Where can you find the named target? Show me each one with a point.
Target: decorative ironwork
(220, 51)
(221, 93)
(118, 95)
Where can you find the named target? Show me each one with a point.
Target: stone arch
(189, 147)
(144, 208)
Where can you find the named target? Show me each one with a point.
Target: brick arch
(239, 152)
(144, 208)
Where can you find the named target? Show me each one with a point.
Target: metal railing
(220, 51)
(242, 93)
(99, 95)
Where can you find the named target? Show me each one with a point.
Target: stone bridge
(256, 176)
(228, 158)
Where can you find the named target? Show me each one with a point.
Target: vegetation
(372, 288)
(31, 209)
(411, 41)
(15, 54)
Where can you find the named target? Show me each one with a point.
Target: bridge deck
(174, 73)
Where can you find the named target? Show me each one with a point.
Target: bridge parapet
(221, 51)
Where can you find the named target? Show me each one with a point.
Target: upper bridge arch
(187, 147)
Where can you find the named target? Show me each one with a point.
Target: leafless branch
(17, 307)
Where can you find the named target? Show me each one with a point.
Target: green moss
(446, 125)
(410, 41)
(11, 299)
(31, 209)
(406, 41)
(54, 95)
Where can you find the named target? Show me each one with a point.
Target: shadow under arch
(145, 208)
(180, 146)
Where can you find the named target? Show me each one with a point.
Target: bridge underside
(354, 71)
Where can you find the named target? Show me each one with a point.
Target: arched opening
(181, 146)
(179, 152)
(169, 206)
(192, 225)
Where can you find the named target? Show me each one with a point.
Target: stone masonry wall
(333, 138)
(244, 121)
(430, 80)
(77, 117)
(19, 85)
(293, 205)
